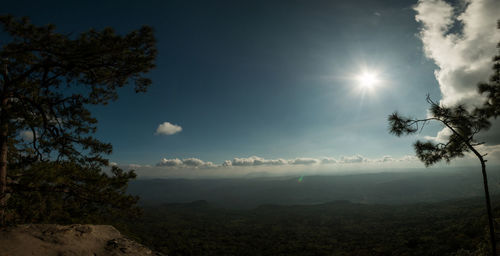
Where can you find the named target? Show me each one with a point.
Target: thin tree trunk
(4, 147)
(488, 202)
(3, 170)
(486, 190)
(488, 207)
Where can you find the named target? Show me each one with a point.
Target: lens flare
(368, 80)
(301, 178)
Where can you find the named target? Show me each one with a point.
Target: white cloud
(249, 161)
(441, 137)
(188, 162)
(254, 161)
(227, 163)
(259, 161)
(328, 160)
(408, 158)
(255, 166)
(463, 54)
(271, 162)
(304, 161)
(167, 128)
(386, 159)
(170, 162)
(353, 159)
(192, 162)
(464, 57)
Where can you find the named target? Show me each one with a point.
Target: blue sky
(272, 79)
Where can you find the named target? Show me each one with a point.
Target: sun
(368, 80)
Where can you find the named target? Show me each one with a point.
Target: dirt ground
(70, 240)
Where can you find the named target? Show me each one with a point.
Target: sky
(249, 87)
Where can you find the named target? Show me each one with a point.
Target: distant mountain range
(427, 185)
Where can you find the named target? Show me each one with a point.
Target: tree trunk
(488, 202)
(3, 169)
(488, 207)
(4, 147)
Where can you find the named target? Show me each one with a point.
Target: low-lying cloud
(188, 162)
(255, 166)
(255, 161)
(304, 161)
(353, 159)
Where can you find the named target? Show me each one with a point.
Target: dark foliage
(463, 124)
(48, 81)
(52, 77)
(69, 193)
(337, 228)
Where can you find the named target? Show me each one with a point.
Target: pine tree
(48, 81)
(464, 125)
(66, 192)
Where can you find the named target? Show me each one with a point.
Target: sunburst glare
(368, 80)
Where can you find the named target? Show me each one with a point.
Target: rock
(69, 240)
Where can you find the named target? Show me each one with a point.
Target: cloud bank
(188, 162)
(255, 166)
(255, 161)
(167, 128)
(303, 161)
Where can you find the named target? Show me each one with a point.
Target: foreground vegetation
(338, 228)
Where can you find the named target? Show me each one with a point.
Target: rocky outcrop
(70, 240)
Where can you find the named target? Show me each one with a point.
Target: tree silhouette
(464, 125)
(49, 79)
(66, 192)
